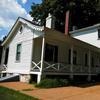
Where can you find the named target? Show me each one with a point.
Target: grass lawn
(9, 94)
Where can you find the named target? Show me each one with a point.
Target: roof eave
(39, 28)
(86, 28)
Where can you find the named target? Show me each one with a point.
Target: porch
(57, 54)
(64, 69)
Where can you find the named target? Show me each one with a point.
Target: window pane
(18, 52)
(69, 56)
(86, 59)
(74, 57)
(18, 47)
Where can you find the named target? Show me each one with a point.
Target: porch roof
(86, 28)
(54, 34)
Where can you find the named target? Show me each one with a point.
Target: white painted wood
(3, 56)
(19, 21)
(38, 78)
(50, 21)
(26, 39)
(89, 69)
(42, 59)
(37, 50)
(38, 33)
(42, 53)
(52, 37)
(71, 67)
(89, 36)
(36, 65)
(32, 54)
(89, 61)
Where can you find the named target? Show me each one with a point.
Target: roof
(86, 28)
(25, 21)
(30, 21)
(46, 30)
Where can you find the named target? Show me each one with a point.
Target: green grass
(9, 94)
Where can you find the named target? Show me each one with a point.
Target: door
(51, 53)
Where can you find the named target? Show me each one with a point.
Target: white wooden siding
(26, 39)
(89, 36)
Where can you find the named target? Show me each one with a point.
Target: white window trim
(17, 61)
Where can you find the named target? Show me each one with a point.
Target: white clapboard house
(40, 51)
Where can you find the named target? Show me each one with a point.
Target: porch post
(71, 68)
(42, 57)
(3, 56)
(32, 53)
(89, 70)
(38, 78)
(42, 53)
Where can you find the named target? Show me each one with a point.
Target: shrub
(52, 83)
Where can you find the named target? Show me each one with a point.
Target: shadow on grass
(9, 94)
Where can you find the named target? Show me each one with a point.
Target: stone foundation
(25, 78)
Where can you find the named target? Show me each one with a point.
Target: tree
(83, 13)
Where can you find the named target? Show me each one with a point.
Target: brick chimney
(50, 21)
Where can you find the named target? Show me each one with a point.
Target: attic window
(98, 33)
(21, 29)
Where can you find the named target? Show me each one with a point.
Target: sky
(10, 10)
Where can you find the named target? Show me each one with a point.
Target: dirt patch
(63, 93)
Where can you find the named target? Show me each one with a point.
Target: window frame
(18, 53)
(98, 33)
(74, 57)
(21, 29)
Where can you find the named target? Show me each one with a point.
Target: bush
(52, 83)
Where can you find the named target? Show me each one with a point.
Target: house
(89, 35)
(37, 52)
(0, 52)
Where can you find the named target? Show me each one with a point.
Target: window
(18, 52)
(74, 57)
(21, 29)
(92, 61)
(51, 53)
(98, 33)
(69, 56)
(86, 59)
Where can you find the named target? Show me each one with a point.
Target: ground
(10, 94)
(64, 93)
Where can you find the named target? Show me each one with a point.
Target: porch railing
(60, 67)
(36, 66)
(63, 68)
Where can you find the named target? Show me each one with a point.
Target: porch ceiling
(58, 36)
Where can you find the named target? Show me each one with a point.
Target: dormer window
(98, 33)
(21, 29)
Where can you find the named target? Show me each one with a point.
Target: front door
(51, 53)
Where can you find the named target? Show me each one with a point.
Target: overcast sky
(10, 10)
